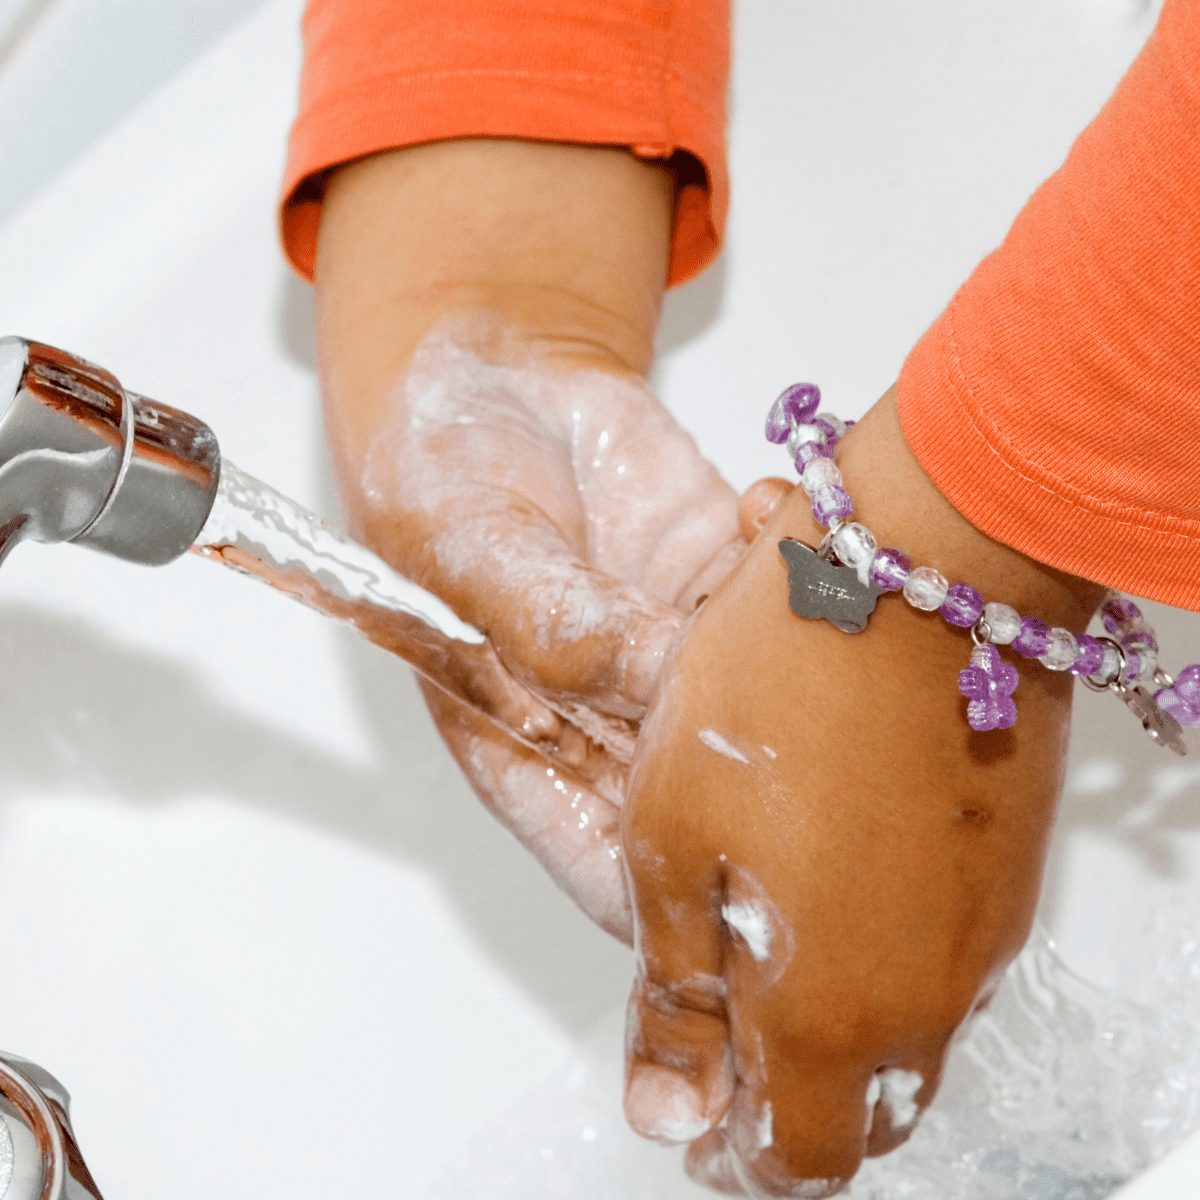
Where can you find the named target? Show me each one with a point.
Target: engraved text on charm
(822, 589)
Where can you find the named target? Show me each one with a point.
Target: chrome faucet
(39, 1159)
(82, 460)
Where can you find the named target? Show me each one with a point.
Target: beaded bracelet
(842, 578)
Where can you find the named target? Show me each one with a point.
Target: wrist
(903, 508)
(566, 245)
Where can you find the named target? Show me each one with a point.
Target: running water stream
(260, 532)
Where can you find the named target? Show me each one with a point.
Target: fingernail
(662, 1106)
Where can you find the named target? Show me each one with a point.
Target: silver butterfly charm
(818, 588)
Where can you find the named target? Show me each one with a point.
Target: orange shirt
(1056, 402)
(649, 74)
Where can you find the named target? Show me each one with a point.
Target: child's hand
(485, 311)
(829, 868)
(568, 516)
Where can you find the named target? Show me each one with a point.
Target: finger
(711, 1162)
(571, 829)
(709, 577)
(679, 1071)
(758, 502)
(817, 1087)
(561, 627)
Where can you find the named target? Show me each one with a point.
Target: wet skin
(899, 851)
(895, 854)
(482, 349)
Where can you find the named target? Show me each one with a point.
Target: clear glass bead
(839, 426)
(1003, 621)
(1062, 650)
(821, 472)
(854, 544)
(801, 434)
(1110, 664)
(926, 589)
(1148, 659)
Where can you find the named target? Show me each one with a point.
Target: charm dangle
(988, 684)
(819, 588)
(1160, 726)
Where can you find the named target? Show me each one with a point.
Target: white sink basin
(255, 920)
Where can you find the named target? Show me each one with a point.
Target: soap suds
(548, 485)
(874, 1090)
(818, 1189)
(764, 1133)
(899, 1091)
(754, 926)
(714, 741)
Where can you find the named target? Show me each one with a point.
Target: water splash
(1058, 1091)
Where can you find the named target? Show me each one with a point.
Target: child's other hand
(485, 313)
(566, 515)
(830, 869)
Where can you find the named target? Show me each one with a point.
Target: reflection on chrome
(39, 1159)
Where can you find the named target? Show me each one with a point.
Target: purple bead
(1118, 612)
(890, 569)
(1139, 639)
(988, 683)
(831, 434)
(963, 605)
(1034, 639)
(798, 403)
(1174, 705)
(1133, 666)
(1090, 656)
(810, 450)
(1187, 684)
(829, 503)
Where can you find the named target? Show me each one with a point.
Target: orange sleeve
(648, 74)
(1056, 402)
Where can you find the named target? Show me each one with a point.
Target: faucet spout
(39, 1158)
(84, 461)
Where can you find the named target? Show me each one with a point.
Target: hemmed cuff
(408, 111)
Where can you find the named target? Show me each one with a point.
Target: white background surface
(252, 916)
